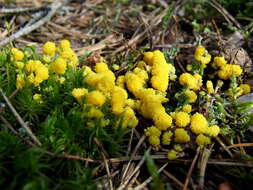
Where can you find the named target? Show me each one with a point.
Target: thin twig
(100, 145)
(191, 169)
(9, 126)
(132, 155)
(147, 181)
(224, 146)
(20, 120)
(133, 180)
(180, 46)
(36, 16)
(150, 36)
(8, 30)
(186, 162)
(217, 29)
(130, 142)
(100, 45)
(105, 155)
(239, 145)
(13, 94)
(180, 65)
(19, 9)
(230, 19)
(26, 30)
(135, 158)
(75, 157)
(225, 162)
(70, 32)
(202, 166)
(172, 177)
(103, 179)
(107, 171)
(125, 182)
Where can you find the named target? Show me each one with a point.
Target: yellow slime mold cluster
(54, 60)
(142, 91)
(226, 70)
(147, 85)
(107, 90)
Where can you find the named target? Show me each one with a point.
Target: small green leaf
(157, 182)
(242, 107)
